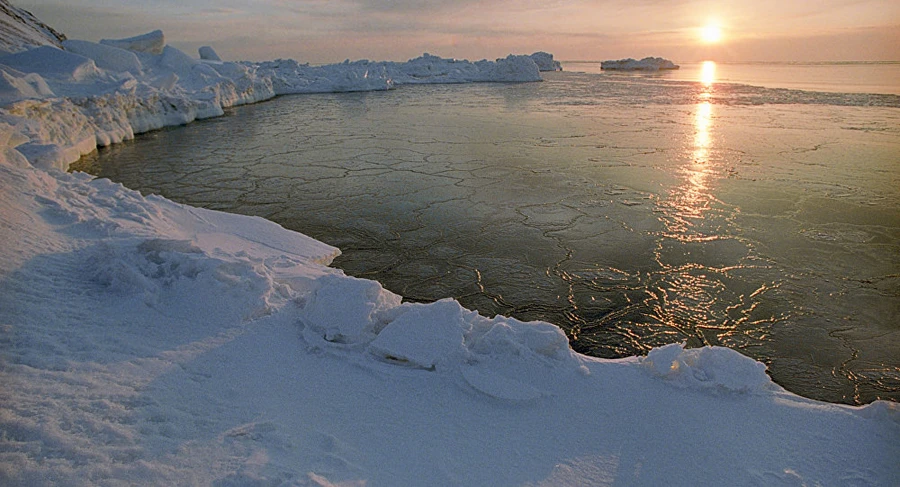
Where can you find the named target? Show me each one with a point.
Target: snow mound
(207, 53)
(346, 310)
(545, 62)
(52, 62)
(708, 368)
(646, 64)
(16, 85)
(424, 336)
(150, 43)
(106, 57)
(499, 357)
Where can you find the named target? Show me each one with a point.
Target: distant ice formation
(207, 53)
(646, 64)
(545, 61)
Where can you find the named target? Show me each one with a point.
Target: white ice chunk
(177, 60)
(207, 53)
(545, 61)
(151, 42)
(424, 336)
(708, 367)
(348, 310)
(16, 86)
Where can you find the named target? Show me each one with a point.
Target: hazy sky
(334, 30)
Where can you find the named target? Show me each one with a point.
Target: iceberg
(646, 64)
(147, 342)
(545, 61)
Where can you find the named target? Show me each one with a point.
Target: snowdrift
(148, 342)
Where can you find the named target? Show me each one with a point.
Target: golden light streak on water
(708, 74)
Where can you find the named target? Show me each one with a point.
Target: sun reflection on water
(708, 75)
(693, 197)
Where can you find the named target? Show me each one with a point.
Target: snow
(20, 30)
(646, 64)
(150, 43)
(545, 61)
(51, 62)
(207, 53)
(106, 57)
(152, 343)
(112, 90)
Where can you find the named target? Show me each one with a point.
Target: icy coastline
(109, 91)
(148, 342)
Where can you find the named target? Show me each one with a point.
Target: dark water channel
(630, 218)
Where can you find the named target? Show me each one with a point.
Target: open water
(631, 210)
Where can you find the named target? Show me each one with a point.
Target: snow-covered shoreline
(61, 99)
(149, 342)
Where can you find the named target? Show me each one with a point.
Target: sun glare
(711, 34)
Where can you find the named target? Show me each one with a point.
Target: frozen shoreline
(150, 342)
(91, 95)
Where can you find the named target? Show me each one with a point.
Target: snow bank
(112, 90)
(106, 57)
(147, 342)
(708, 367)
(151, 343)
(646, 64)
(51, 62)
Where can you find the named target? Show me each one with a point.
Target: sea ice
(207, 53)
(149, 342)
(545, 61)
(646, 64)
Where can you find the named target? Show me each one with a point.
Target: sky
(322, 31)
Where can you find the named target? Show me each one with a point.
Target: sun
(711, 34)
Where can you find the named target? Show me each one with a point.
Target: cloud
(331, 30)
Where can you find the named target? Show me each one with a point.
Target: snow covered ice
(148, 342)
(646, 64)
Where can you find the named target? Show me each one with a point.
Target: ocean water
(631, 210)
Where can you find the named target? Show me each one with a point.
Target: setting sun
(711, 34)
